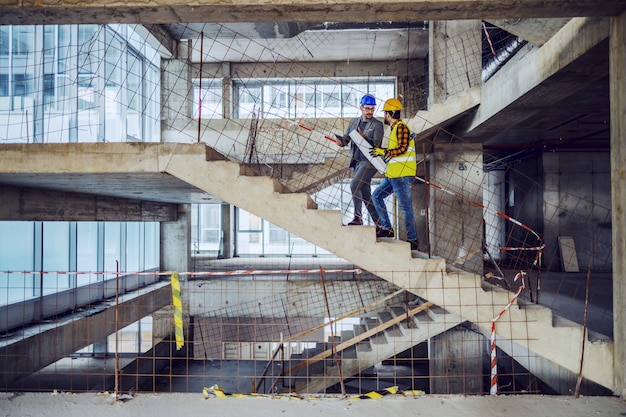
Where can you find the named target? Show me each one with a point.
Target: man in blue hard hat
(372, 130)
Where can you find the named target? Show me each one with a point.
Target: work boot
(380, 232)
(356, 222)
(415, 244)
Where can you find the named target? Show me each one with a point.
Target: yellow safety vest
(404, 165)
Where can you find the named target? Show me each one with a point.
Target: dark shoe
(415, 244)
(356, 222)
(380, 232)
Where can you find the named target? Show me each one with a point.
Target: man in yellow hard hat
(399, 175)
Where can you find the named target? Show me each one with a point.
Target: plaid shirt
(403, 135)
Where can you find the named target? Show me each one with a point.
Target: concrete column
(455, 58)
(175, 251)
(456, 226)
(176, 91)
(176, 242)
(618, 192)
(227, 232)
(227, 91)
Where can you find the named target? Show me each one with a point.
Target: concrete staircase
(468, 295)
(395, 329)
(520, 330)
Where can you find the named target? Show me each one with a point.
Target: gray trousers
(361, 188)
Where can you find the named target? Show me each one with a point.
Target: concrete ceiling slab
(569, 110)
(158, 187)
(316, 46)
(177, 11)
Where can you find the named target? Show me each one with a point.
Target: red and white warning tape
(291, 123)
(482, 206)
(494, 360)
(205, 273)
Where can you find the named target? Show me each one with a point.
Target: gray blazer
(373, 132)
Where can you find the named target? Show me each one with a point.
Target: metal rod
(200, 86)
(117, 358)
(582, 353)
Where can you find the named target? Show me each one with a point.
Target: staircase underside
(370, 344)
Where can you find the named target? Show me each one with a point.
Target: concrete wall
(211, 333)
(577, 203)
(267, 311)
(455, 58)
(565, 194)
(457, 360)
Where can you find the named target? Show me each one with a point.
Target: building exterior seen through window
(288, 97)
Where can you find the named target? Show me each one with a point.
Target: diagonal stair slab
(380, 352)
(439, 115)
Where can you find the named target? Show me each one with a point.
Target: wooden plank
(357, 339)
(569, 260)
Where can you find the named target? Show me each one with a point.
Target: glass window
(248, 97)
(115, 126)
(23, 40)
(87, 252)
(112, 248)
(49, 90)
(88, 49)
(304, 102)
(48, 40)
(308, 98)
(64, 48)
(88, 117)
(56, 256)
(152, 112)
(277, 99)
(17, 253)
(133, 247)
(4, 87)
(330, 104)
(84, 73)
(207, 98)
(23, 69)
(4, 40)
(134, 97)
(256, 236)
(206, 228)
(151, 245)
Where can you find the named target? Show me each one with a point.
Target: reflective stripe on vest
(402, 165)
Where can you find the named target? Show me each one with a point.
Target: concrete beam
(618, 195)
(30, 351)
(31, 204)
(535, 31)
(24, 12)
(510, 84)
(158, 38)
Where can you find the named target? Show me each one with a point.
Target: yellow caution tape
(378, 394)
(178, 311)
(219, 393)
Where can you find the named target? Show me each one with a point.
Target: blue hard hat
(368, 100)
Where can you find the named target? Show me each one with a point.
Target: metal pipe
(501, 57)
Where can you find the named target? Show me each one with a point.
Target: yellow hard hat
(393, 104)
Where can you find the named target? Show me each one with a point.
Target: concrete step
(393, 331)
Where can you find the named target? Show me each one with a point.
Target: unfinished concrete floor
(167, 405)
